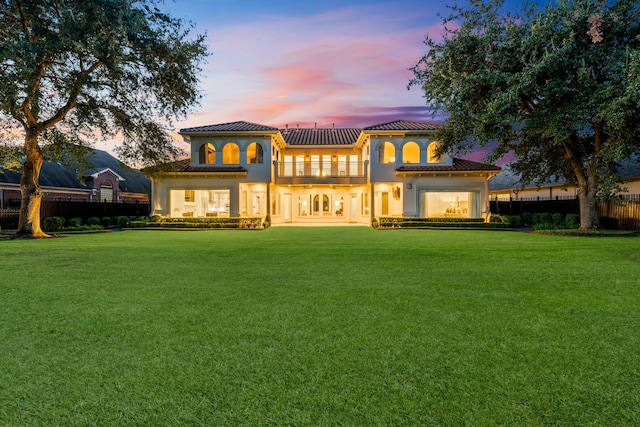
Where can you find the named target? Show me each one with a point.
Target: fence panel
(621, 214)
(70, 209)
(9, 219)
(86, 210)
(538, 205)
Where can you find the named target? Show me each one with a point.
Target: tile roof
(404, 125)
(320, 136)
(240, 126)
(185, 165)
(457, 166)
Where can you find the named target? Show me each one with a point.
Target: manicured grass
(320, 326)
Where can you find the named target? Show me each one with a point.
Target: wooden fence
(622, 214)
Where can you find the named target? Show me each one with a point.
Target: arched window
(231, 154)
(386, 153)
(411, 153)
(254, 154)
(207, 154)
(432, 156)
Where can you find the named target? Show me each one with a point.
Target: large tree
(72, 71)
(558, 87)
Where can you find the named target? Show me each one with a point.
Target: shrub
(557, 219)
(53, 223)
(526, 218)
(545, 226)
(122, 221)
(106, 221)
(516, 221)
(93, 221)
(498, 218)
(74, 222)
(143, 219)
(540, 218)
(572, 221)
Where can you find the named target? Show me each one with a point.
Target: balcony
(310, 173)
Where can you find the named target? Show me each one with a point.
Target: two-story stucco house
(295, 175)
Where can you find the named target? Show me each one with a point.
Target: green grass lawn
(320, 326)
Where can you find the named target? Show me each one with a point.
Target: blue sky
(301, 63)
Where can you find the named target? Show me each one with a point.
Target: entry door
(354, 208)
(320, 205)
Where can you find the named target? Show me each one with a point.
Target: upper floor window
(231, 154)
(207, 154)
(386, 153)
(411, 153)
(254, 154)
(432, 151)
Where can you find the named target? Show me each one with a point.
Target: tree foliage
(74, 71)
(558, 87)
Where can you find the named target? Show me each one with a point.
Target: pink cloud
(326, 68)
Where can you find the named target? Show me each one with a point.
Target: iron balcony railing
(321, 173)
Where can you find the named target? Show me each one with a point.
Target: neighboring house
(316, 175)
(106, 179)
(507, 185)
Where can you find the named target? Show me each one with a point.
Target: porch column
(269, 213)
(372, 202)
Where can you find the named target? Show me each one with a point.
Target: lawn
(320, 326)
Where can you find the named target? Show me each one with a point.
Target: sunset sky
(299, 63)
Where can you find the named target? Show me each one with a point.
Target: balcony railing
(320, 173)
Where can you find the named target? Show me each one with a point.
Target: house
(507, 185)
(104, 179)
(319, 175)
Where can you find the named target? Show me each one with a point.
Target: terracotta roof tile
(185, 165)
(240, 126)
(404, 125)
(458, 165)
(340, 136)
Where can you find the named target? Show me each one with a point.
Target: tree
(558, 87)
(73, 71)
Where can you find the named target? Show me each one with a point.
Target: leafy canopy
(559, 87)
(74, 71)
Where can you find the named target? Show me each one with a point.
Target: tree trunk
(29, 221)
(588, 209)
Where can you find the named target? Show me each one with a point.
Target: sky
(311, 63)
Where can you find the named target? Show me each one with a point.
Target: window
(254, 154)
(288, 165)
(431, 153)
(106, 191)
(452, 204)
(207, 154)
(365, 203)
(200, 203)
(411, 153)
(386, 153)
(231, 154)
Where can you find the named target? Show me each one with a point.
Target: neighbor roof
(509, 180)
(457, 166)
(56, 174)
